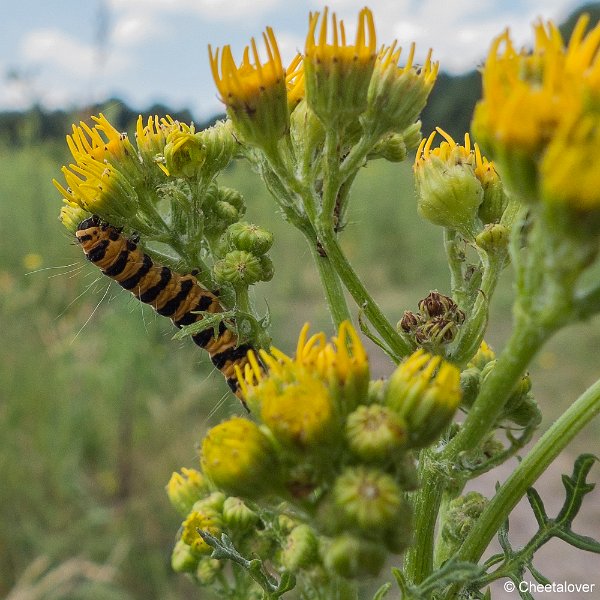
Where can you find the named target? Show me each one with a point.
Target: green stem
(361, 296)
(336, 301)
(418, 561)
(543, 453)
(455, 262)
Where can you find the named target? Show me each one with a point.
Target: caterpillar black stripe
(170, 294)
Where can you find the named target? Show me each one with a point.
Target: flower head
(238, 458)
(254, 92)
(529, 95)
(186, 488)
(398, 94)
(457, 186)
(341, 365)
(337, 74)
(425, 391)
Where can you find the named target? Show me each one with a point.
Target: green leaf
(537, 506)
(576, 488)
(208, 320)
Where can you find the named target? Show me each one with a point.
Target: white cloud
(57, 48)
(210, 10)
(134, 29)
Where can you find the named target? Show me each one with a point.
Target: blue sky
(68, 53)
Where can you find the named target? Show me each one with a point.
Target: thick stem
(418, 561)
(543, 453)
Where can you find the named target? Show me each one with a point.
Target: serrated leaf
(576, 487)
(503, 538)
(208, 320)
(583, 542)
(453, 571)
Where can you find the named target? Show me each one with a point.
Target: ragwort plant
(329, 474)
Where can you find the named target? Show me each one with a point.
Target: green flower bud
(307, 132)
(375, 432)
(267, 268)
(207, 570)
(494, 238)
(484, 355)
(397, 94)
(352, 557)
(300, 548)
(232, 197)
(412, 136)
(391, 148)
(337, 75)
(213, 501)
(376, 391)
(183, 559)
(250, 237)
(239, 268)
(285, 524)
(237, 515)
(495, 199)
(238, 458)
(225, 212)
(367, 499)
(220, 146)
(425, 391)
(184, 153)
(185, 489)
(462, 514)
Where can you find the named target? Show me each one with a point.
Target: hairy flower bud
(367, 499)
(239, 268)
(183, 558)
(238, 458)
(375, 432)
(352, 557)
(237, 515)
(207, 570)
(425, 391)
(186, 488)
(249, 237)
(207, 520)
(300, 548)
(184, 153)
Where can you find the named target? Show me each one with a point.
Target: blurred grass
(98, 405)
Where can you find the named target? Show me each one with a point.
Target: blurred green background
(98, 405)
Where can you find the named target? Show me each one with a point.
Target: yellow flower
(151, 138)
(337, 74)
(398, 94)
(341, 365)
(206, 520)
(425, 391)
(569, 167)
(186, 488)
(238, 458)
(102, 142)
(254, 93)
(294, 81)
(98, 188)
(529, 97)
(448, 187)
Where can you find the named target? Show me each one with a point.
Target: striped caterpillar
(169, 293)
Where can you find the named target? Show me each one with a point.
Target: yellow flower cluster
(338, 78)
(539, 114)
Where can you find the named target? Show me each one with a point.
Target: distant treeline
(450, 106)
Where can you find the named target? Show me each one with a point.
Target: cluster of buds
(435, 324)
(163, 188)
(328, 445)
(520, 410)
